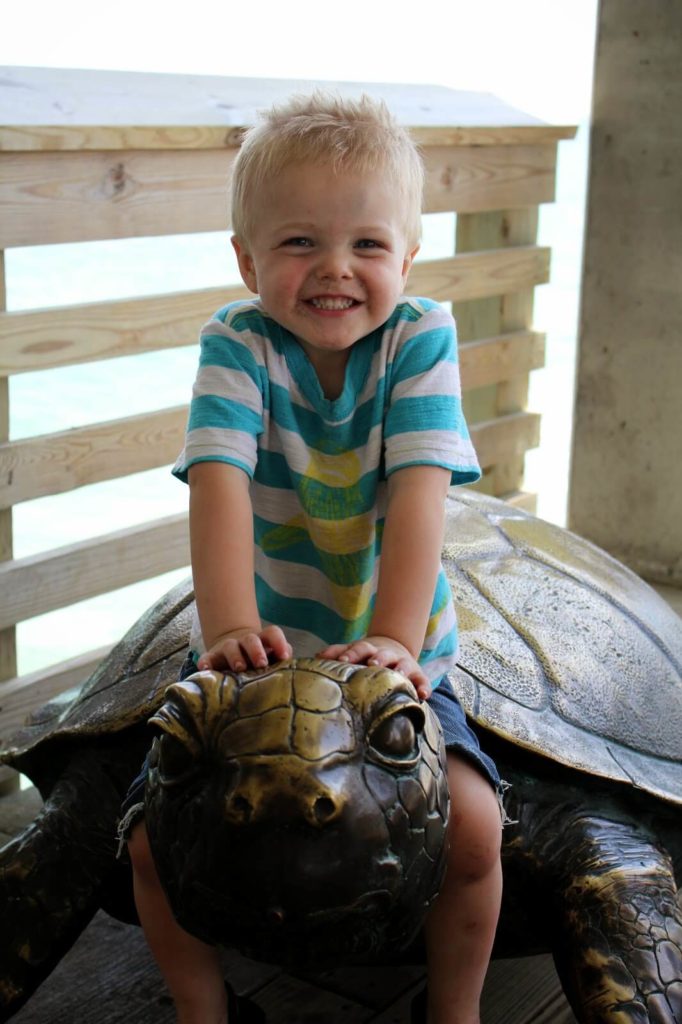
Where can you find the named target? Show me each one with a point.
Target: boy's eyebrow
(307, 225)
(361, 229)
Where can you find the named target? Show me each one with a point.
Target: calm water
(51, 276)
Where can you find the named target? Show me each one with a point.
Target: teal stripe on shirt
(290, 612)
(411, 359)
(353, 433)
(432, 412)
(223, 413)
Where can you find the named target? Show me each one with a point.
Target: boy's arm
(221, 539)
(410, 561)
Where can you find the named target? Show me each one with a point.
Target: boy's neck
(330, 368)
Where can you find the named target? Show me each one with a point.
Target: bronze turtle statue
(571, 670)
(298, 814)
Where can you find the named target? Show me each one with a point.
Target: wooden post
(496, 315)
(8, 645)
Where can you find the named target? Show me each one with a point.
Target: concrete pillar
(626, 483)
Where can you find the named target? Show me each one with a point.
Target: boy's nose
(333, 266)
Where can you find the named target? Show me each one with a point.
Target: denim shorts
(459, 738)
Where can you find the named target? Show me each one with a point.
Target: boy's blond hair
(358, 135)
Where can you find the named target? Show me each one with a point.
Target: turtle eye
(394, 738)
(175, 761)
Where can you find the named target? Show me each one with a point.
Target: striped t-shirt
(318, 467)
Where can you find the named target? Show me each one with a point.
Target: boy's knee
(475, 830)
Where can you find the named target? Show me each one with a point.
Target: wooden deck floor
(110, 978)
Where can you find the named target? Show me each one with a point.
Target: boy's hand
(382, 650)
(244, 648)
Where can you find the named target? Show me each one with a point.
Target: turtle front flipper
(618, 948)
(51, 877)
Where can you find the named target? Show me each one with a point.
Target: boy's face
(329, 257)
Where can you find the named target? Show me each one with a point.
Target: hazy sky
(535, 54)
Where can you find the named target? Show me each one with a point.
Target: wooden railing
(71, 182)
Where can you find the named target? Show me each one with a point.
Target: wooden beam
(499, 439)
(41, 583)
(8, 657)
(489, 178)
(490, 315)
(492, 360)
(80, 197)
(71, 109)
(476, 275)
(42, 339)
(8, 638)
(48, 138)
(59, 462)
(96, 194)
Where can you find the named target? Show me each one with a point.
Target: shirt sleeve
(424, 422)
(226, 411)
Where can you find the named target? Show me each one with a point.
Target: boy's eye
(367, 243)
(298, 242)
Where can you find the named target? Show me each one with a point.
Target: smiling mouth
(329, 303)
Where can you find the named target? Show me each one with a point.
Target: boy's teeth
(332, 303)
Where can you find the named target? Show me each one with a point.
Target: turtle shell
(563, 650)
(124, 690)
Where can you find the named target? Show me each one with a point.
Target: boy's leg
(190, 968)
(460, 928)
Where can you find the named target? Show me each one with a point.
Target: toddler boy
(324, 432)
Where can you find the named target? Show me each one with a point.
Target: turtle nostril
(242, 807)
(323, 808)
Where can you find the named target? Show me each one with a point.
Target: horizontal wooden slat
(67, 108)
(40, 583)
(104, 330)
(84, 196)
(54, 463)
(39, 340)
(59, 462)
(493, 360)
(20, 696)
(488, 178)
(55, 138)
(476, 275)
(497, 440)
(79, 197)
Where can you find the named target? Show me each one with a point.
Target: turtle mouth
(377, 902)
(282, 933)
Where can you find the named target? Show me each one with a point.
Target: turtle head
(300, 811)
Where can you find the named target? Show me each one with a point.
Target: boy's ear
(407, 262)
(246, 265)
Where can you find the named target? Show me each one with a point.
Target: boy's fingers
(253, 649)
(360, 651)
(333, 651)
(275, 639)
